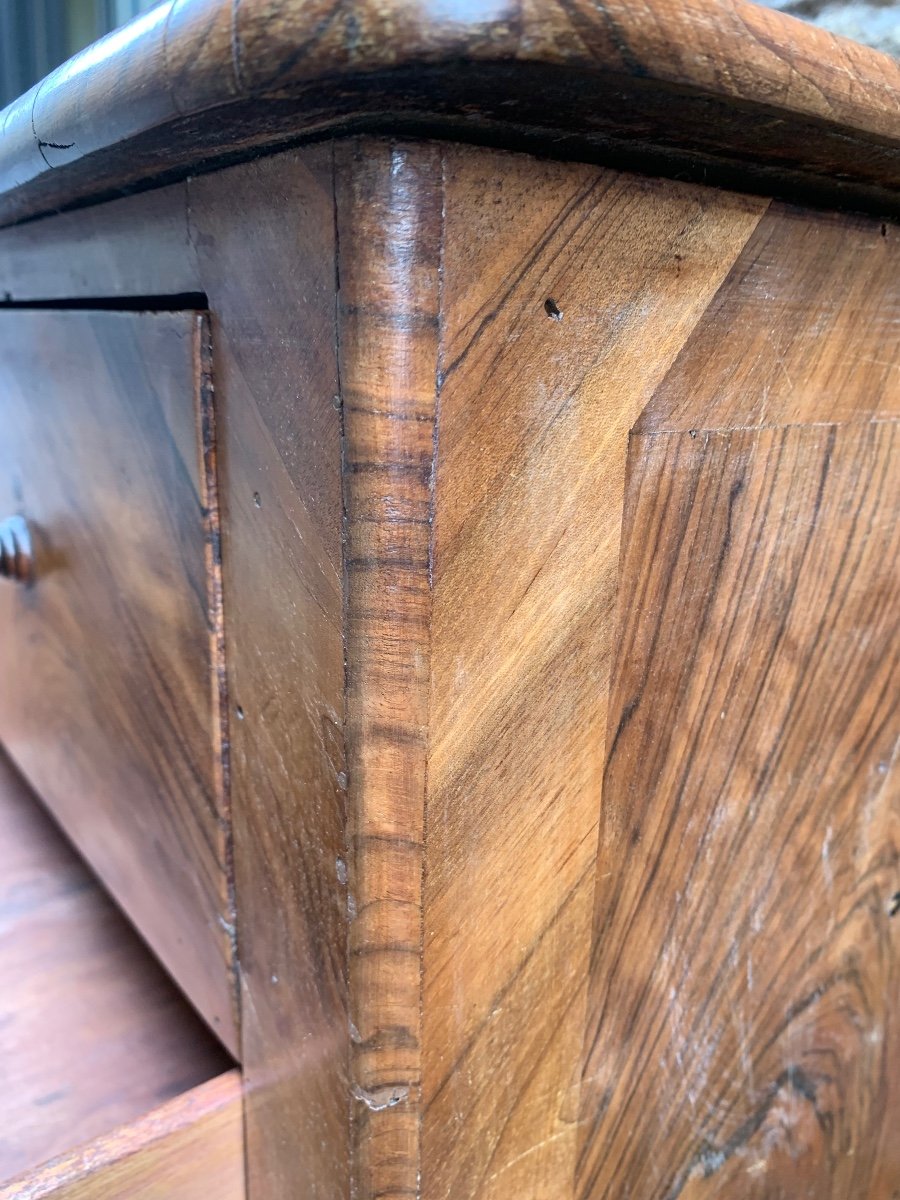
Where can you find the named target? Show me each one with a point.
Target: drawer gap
(178, 302)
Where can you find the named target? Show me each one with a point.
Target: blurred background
(876, 22)
(37, 35)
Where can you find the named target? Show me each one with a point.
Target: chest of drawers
(450, 467)
(110, 650)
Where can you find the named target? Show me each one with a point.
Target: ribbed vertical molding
(389, 228)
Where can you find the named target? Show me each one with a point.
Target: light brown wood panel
(188, 1149)
(111, 698)
(804, 329)
(389, 222)
(486, 327)
(558, 279)
(743, 1037)
(263, 235)
(92, 1033)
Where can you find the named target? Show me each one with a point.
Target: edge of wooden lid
(721, 86)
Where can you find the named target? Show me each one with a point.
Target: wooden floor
(92, 1033)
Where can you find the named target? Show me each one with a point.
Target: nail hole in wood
(239, 713)
(552, 309)
(883, 229)
(257, 499)
(894, 905)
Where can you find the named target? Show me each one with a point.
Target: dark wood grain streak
(112, 693)
(744, 950)
(532, 433)
(712, 82)
(389, 224)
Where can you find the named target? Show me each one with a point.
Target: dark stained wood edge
(389, 221)
(212, 549)
(724, 88)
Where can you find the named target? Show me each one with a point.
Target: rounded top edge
(205, 78)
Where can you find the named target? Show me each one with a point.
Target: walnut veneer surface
(559, 574)
(112, 662)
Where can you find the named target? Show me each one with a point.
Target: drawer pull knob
(16, 559)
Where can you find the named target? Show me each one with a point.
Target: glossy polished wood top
(719, 87)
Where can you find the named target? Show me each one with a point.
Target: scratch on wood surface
(526, 1153)
(381, 1098)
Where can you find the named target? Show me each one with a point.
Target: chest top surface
(720, 89)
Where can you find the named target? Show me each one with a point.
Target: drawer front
(109, 653)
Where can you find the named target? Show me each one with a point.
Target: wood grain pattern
(461, 339)
(275, 370)
(805, 329)
(92, 1033)
(750, 799)
(272, 298)
(749, 852)
(532, 433)
(389, 222)
(188, 1149)
(111, 703)
(711, 84)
